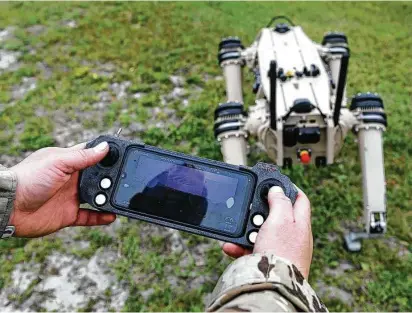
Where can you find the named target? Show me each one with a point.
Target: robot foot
(353, 241)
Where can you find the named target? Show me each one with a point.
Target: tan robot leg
(373, 183)
(373, 174)
(233, 147)
(372, 123)
(233, 78)
(233, 141)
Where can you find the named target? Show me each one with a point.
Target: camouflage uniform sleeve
(8, 184)
(263, 282)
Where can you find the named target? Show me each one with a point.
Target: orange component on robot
(304, 157)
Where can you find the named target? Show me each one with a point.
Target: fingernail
(101, 146)
(276, 189)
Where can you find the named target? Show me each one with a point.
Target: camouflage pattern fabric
(8, 184)
(264, 282)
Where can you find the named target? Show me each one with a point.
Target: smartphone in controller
(197, 195)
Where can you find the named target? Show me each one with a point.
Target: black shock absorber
(371, 107)
(229, 116)
(334, 39)
(231, 61)
(229, 49)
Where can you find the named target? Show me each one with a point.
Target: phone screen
(185, 192)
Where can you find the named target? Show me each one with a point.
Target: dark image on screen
(177, 193)
(182, 192)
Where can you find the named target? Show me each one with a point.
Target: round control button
(100, 199)
(111, 157)
(258, 220)
(105, 183)
(252, 236)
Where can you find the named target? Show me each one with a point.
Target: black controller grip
(265, 176)
(269, 175)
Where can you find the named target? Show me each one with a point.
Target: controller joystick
(264, 191)
(111, 157)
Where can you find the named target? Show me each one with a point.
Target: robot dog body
(300, 114)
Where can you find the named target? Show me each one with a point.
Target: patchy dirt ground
(83, 277)
(66, 280)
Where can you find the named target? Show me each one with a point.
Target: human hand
(287, 232)
(47, 191)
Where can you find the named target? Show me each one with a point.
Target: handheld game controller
(197, 195)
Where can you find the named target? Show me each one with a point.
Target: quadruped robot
(301, 114)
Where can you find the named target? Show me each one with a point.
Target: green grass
(148, 42)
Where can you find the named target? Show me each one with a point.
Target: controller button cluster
(252, 236)
(100, 199)
(258, 220)
(105, 183)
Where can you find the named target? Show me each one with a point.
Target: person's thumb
(280, 215)
(76, 160)
(280, 206)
